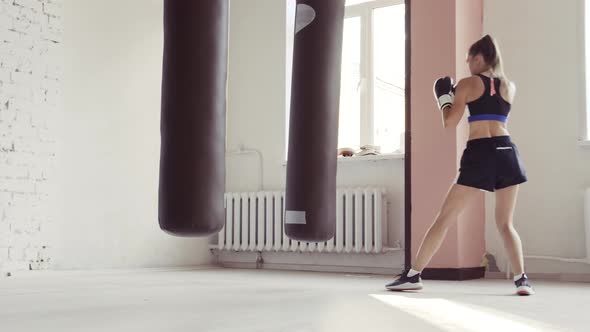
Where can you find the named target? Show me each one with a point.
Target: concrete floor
(216, 300)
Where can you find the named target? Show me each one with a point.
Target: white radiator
(254, 222)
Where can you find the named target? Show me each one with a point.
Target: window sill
(584, 143)
(381, 157)
(385, 156)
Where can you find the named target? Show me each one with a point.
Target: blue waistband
(482, 117)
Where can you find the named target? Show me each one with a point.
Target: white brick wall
(30, 73)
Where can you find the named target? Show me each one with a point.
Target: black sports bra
(490, 106)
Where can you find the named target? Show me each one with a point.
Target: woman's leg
(457, 199)
(505, 203)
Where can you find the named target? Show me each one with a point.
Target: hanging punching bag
(194, 83)
(313, 127)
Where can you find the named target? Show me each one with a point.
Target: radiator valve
(259, 261)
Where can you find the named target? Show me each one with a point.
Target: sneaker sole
(417, 286)
(524, 291)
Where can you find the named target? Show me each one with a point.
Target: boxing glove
(444, 92)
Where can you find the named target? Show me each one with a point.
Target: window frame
(365, 12)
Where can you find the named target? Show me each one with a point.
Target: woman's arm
(453, 114)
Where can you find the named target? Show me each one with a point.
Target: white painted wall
(109, 143)
(257, 116)
(109, 138)
(542, 47)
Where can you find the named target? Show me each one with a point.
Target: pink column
(441, 33)
(471, 224)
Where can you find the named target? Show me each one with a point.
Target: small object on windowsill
(346, 152)
(369, 150)
(366, 150)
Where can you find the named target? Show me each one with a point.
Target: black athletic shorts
(491, 163)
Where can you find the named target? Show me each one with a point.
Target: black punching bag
(194, 84)
(313, 132)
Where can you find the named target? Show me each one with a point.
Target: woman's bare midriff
(487, 129)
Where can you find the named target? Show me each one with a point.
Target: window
(372, 99)
(372, 94)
